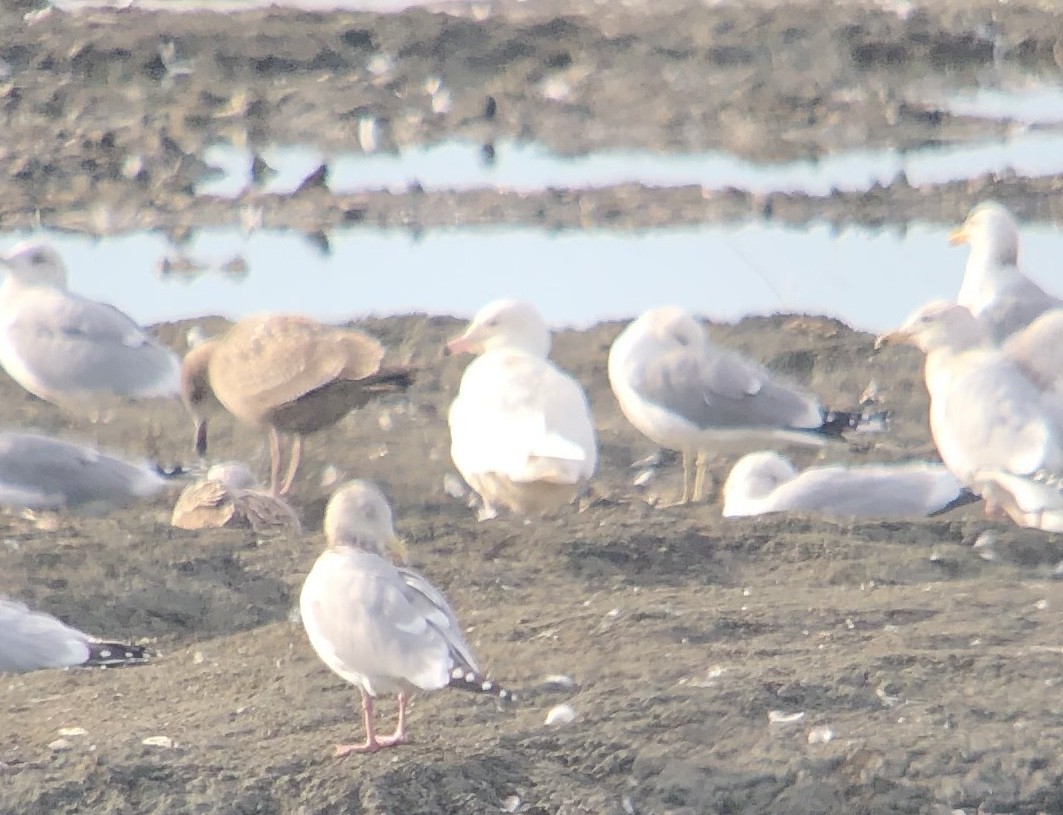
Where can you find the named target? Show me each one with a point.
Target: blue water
(871, 280)
(457, 165)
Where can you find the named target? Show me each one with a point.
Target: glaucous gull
(998, 429)
(521, 430)
(994, 288)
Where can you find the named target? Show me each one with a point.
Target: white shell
(560, 715)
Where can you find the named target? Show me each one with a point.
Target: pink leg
(399, 736)
(274, 460)
(371, 743)
(293, 463)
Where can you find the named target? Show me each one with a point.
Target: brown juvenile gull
(74, 352)
(32, 640)
(685, 394)
(521, 431)
(383, 628)
(766, 482)
(994, 288)
(288, 374)
(231, 496)
(997, 426)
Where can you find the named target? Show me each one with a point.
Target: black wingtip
(466, 680)
(837, 423)
(963, 499)
(104, 654)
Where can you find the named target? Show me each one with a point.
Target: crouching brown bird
(287, 374)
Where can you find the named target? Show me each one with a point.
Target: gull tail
(837, 423)
(469, 680)
(104, 654)
(389, 380)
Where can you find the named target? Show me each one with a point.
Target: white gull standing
(32, 641)
(521, 430)
(764, 482)
(383, 628)
(994, 288)
(71, 351)
(685, 394)
(996, 426)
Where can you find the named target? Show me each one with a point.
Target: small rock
(73, 731)
(158, 741)
(60, 745)
(782, 717)
(820, 735)
(560, 715)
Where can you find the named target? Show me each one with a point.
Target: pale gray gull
(39, 472)
(994, 288)
(685, 394)
(997, 428)
(521, 430)
(383, 628)
(32, 641)
(76, 353)
(765, 482)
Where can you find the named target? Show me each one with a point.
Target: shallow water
(872, 280)
(458, 165)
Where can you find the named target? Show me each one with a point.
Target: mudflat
(773, 665)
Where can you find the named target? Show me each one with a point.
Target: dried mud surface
(934, 665)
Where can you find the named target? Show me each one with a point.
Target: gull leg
(293, 463)
(399, 736)
(371, 743)
(699, 481)
(688, 472)
(274, 460)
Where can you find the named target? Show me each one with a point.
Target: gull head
(754, 476)
(669, 327)
(991, 232)
(937, 325)
(33, 263)
(358, 516)
(504, 325)
(196, 391)
(235, 475)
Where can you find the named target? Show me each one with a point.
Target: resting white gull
(685, 394)
(994, 288)
(32, 640)
(73, 352)
(39, 472)
(382, 628)
(997, 428)
(764, 482)
(521, 430)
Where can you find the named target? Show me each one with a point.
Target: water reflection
(459, 165)
(871, 280)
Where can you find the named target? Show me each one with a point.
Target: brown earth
(935, 669)
(934, 665)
